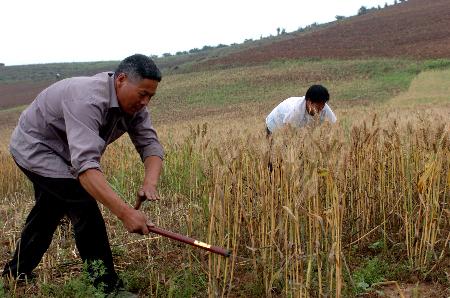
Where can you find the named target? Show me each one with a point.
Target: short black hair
(139, 67)
(317, 93)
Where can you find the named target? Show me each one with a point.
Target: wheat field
(305, 213)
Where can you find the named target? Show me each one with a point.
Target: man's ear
(121, 77)
(308, 106)
(308, 102)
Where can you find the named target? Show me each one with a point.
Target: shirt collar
(112, 91)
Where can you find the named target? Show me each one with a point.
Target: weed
(373, 271)
(86, 285)
(74, 288)
(2, 290)
(187, 284)
(377, 246)
(136, 279)
(437, 64)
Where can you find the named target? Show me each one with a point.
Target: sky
(48, 31)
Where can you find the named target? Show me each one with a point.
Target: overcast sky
(46, 31)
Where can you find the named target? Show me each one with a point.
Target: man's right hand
(96, 185)
(136, 221)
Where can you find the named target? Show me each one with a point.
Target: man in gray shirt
(58, 143)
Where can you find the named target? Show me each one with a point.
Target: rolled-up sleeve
(144, 136)
(82, 120)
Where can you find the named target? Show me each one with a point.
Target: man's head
(316, 97)
(136, 79)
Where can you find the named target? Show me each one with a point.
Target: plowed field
(16, 94)
(417, 29)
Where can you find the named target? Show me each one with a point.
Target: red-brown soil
(418, 29)
(15, 94)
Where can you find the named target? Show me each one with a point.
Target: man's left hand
(147, 192)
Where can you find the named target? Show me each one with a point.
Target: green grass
(76, 288)
(170, 281)
(373, 271)
(2, 290)
(46, 72)
(13, 109)
(373, 80)
(437, 64)
(187, 284)
(79, 287)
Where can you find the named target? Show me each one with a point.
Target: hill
(414, 29)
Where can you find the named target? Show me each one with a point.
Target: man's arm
(94, 182)
(146, 142)
(329, 114)
(83, 120)
(153, 166)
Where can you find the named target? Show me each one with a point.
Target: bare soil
(423, 290)
(416, 28)
(16, 94)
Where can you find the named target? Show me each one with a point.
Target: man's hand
(149, 193)
(146, 193)
(136, 221)
(96, 185)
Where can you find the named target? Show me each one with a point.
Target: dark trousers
(56, 198)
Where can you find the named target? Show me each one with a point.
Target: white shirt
(293, 111)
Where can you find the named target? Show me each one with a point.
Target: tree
(278, 31)
(194, 50)
(338, 18)
(362, 10)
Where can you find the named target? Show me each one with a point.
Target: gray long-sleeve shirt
(67, 127)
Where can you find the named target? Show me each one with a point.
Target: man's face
(314, 108)
(134, 96)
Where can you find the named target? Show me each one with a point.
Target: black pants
(56, 198)
(268, 132)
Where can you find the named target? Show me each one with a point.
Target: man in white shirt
(299, 111)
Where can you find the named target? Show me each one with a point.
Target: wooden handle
(139, 201)
(178, 237)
